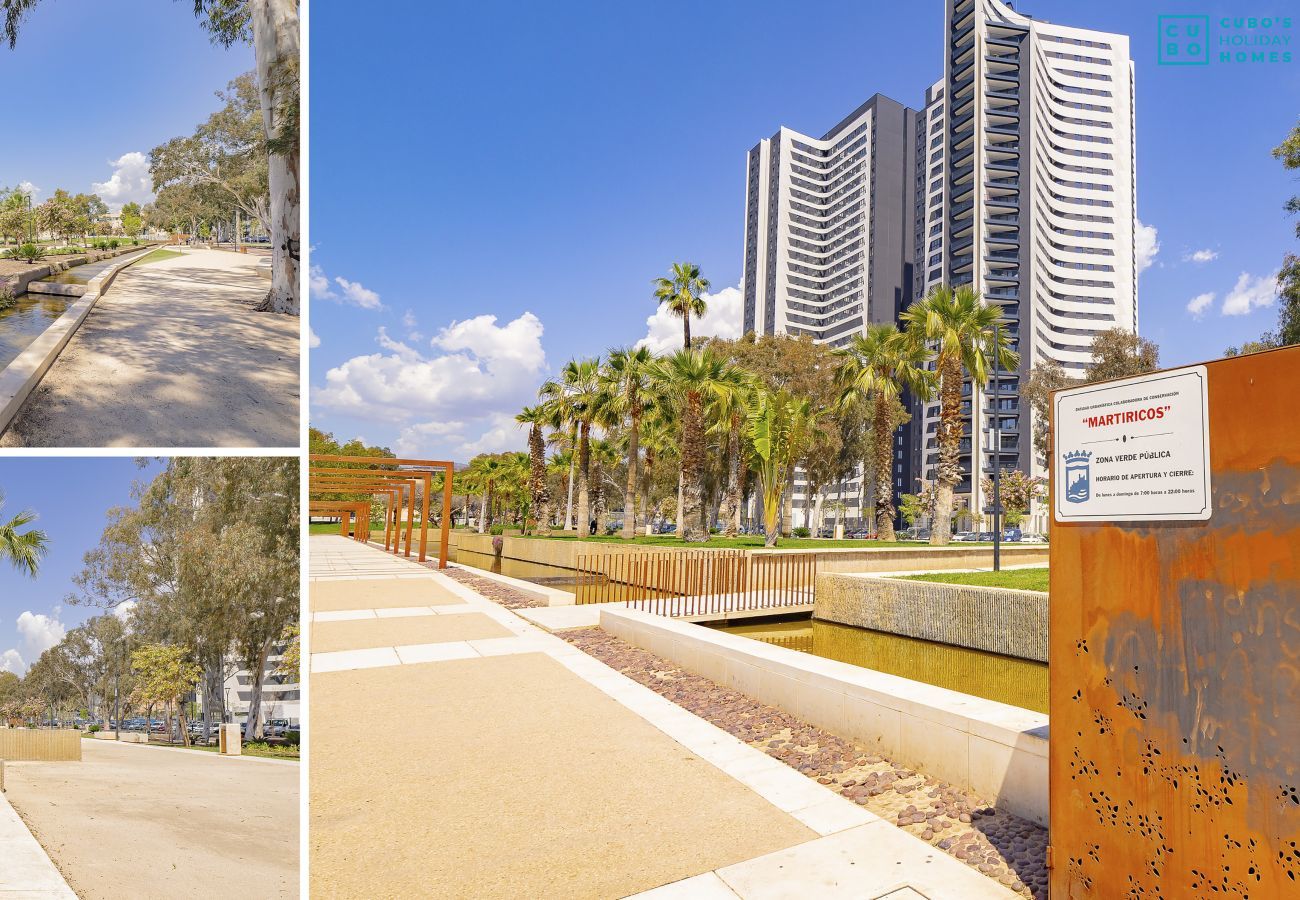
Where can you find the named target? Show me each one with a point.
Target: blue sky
(541, 163)
(111, 81)
(71, 497)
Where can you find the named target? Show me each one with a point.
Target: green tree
(874, 370)
(682, 294)
(1120, 353)
(165, 674)
(778, 425)
(691, 378)
(20, 546)
(535, 417)
(625, 379)
(1017, 492)
(573, 400)
(1044, 378)
(960, 328)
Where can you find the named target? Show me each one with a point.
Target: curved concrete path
(173, 355)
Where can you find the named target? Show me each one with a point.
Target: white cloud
(451, 401)
(12, 661)
(313, 339)
(39, 632)
(408, 319)
(28, 188)
(1250, 293)
(1198, 304)
(123, 610)
(724, 319)
(1146, 242)
(1201, 256)
(358, 295)
(130, 181)
(321, 287)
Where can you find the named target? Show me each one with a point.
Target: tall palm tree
(22, 549)
(535, 417)
(682, 293)
(874, 369)
(692, 377)
(657, 430)
(625, 378)
(575, 396)
(959, 328)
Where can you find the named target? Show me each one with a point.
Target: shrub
(93, 729)
(293, 738)
(113, 243)
(7, 298)
(30, 252)
(497, 529)
(802, 531)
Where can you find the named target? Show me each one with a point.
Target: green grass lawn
(157, 256)
(1016, 579)
(333, 527)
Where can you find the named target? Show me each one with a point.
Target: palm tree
(728, 411)
(656, 436)
(682, 294)
(692, 377)
(575, 398)
(960, 329)
(874, 369)
(539, 493)
(23, 549)
(625, 379)
(483, 472)
(779, 427)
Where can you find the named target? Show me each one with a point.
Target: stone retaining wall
(40, 744)
(17, 282)
(998, 620)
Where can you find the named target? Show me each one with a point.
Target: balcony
(1009, 274)
(1003, 293)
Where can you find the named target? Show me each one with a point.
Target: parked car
(964, 536)
(1012, 534)
(1033, 539)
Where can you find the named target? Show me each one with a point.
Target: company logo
(1078, 476)
(1227, 40)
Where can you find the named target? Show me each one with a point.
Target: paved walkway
(139, 821)
(173, 355)
(497, 760)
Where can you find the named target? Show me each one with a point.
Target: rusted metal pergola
(397, 482)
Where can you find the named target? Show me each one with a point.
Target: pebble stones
(1007, 849)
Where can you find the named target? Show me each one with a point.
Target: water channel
(1006, 679)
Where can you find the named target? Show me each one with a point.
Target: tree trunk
(253, 727)
(882, 466)
(692, 463)
(584, 477)
(686, 330)
(213, 670)
(681, 503)
(732, 526)
(573, 464)
(482, 513)
(541, 493)
(274, 24)
(645, 490)
(633, 478)
(787, 505)
(948, 472)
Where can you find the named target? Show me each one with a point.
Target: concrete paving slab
(384, 593)
(517, 779)
(327, 637)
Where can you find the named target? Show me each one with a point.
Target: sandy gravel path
(173, 355)
(135, 821)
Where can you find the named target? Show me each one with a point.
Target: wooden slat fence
(697, 582)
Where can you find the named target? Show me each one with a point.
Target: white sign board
(1135, 450)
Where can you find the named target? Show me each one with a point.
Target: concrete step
(54, 287)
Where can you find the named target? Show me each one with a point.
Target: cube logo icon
(1183, 40)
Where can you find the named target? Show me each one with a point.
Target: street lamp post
(997, 460)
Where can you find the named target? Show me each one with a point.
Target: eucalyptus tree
(574, 398)
(21, 546)
(682, 294)
(959, 328)
(626, 379)
(873, 371)
(779, 427)
(692, 378)
(539, 493)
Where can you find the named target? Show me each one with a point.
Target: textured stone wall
(1013, 623)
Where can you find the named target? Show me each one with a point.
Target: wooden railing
(697, 582)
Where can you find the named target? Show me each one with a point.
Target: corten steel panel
(1175, 672)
